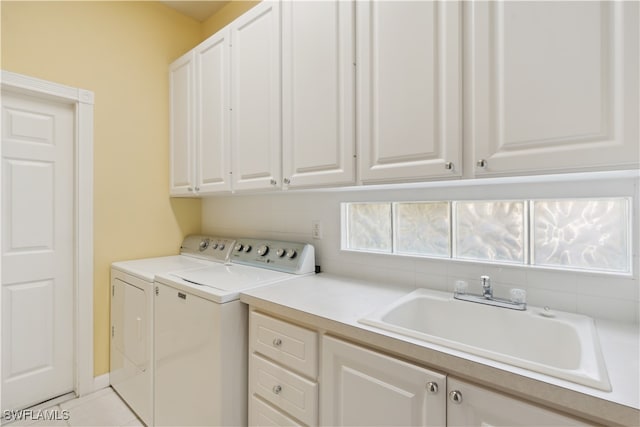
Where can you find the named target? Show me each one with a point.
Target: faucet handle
(518, 296)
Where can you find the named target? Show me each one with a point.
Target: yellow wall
(121, 52)
(225, 15)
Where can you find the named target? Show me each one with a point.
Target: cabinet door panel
(318, 93)
(181, 89)
(256, 134)
(361, 387)
(483, 407)
(212, 73)
(553, 86)
(409, 89)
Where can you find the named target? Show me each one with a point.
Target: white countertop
(334, 305)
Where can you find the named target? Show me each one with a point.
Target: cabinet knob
(277, 342)
(455, 396)
(189, 188)
(448, 165)
(277, 389)
(197, 188)
(273, 182)
(432, 387)
(287, 181)
(482, 163)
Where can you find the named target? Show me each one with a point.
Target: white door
(182, 125)
(409, 90)
(361, 387)
(552, 86)
(472, 406)
(256, 138)
(318, 93)
(37, 250)
(212, 156)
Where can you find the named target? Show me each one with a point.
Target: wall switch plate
(316, 229)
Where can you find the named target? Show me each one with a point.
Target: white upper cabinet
(182, 125)
(200, 140)
(552, 86)
(318, 93)
(256, 138)
(409, 90)
(212, 155)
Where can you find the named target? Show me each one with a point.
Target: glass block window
(422, 228)
(581, 234)
(573, 234)
(491, 231)
(369, 226)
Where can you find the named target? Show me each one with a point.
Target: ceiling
(198, 10)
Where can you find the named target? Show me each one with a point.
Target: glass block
(422, 228)
(582, 234)
(490, 231)
(369, 226)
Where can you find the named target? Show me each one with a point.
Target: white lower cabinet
(361, 387)
(470, 405)
(283, 366)
(355, 386)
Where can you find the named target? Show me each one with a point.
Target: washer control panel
(290, 257)
(208, 247)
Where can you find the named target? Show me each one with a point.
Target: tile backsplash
(289, 216)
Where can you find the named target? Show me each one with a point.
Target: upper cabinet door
(552, 86)
(182, 125)
(409, 90)
(213, 155)
(256, 92)
(318, 93)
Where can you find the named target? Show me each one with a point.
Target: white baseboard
(101, 382)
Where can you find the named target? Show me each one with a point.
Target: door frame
(82, 101)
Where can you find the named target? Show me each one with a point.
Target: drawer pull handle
(455, 396)
(277, 342)
(277, 389)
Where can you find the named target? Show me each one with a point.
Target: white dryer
(131, 370)
(201, 332)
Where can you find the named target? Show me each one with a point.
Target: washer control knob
(247, 248)
(239, 247)
(291, 253)
(263, 250)
(204, 244)
(214, 245)
(221, 246)
(280, 252)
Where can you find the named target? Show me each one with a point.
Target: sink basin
(559, 344)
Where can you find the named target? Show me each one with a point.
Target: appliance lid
(230, 278)
(147, 268)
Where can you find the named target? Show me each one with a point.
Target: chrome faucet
(517, 301)
(487, 291)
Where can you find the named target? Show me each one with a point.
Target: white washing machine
(201, 332)
(131, 370)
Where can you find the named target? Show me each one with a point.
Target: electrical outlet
(316, 229)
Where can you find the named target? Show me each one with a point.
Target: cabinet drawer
(288, 391)
(290, 345)
(263, 414)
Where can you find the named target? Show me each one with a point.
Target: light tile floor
(102, 408)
